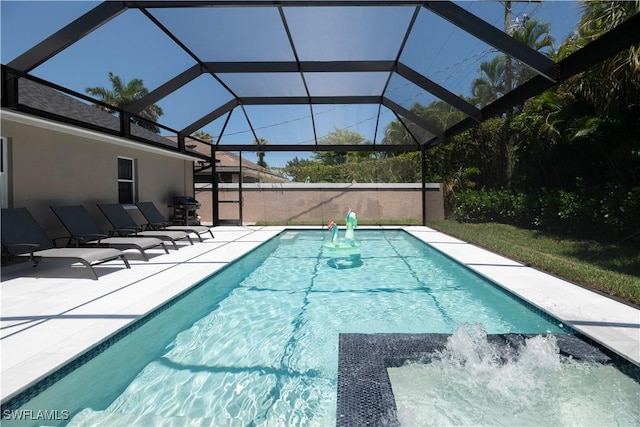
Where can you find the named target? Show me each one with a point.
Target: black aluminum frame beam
(222, 67)
(411, 116)
(616, 40)
(202, 122)
(609, 44)
(438, 91)
(494, 37)
(267, 3)
(318, 147)
(166, 89)
(297, 100)
(68, 35)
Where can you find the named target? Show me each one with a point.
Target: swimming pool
(257, 342)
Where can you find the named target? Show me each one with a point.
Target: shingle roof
(47, 99)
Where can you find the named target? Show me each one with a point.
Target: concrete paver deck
(53, 313)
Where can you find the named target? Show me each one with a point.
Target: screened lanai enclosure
(288, 72)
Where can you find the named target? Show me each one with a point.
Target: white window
(126, 180)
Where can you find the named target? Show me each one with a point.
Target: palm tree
(205, 136)
(441, 114)
(536, 35)
(396, 134)
(489, 86)
(261, 142)
(122, 95)
(492, 82)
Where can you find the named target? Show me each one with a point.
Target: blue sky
(131, 46)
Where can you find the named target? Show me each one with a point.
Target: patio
(53, 314)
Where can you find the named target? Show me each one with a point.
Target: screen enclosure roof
(291, 72)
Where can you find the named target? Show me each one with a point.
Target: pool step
(91, 418)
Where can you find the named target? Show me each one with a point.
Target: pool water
(257, 343)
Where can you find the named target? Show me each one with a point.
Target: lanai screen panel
(407, 94)
(348, 33)
(282, 124)
(127, 46)
(37, 23)
(264, 84)
(236, 129)
(229, 33)
(350, 119)
(193, 100)
(346, 84)
(423, 103)
(454, 62)
(413, 133)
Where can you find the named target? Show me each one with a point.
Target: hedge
(605, 213)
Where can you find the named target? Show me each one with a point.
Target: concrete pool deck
(54, 313)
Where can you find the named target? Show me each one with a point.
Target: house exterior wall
(320, 203)
(48, 167)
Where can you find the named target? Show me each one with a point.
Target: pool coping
(127, 295)
(607, 321)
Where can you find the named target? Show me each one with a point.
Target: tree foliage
(205, 136)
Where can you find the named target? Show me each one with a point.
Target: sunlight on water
(471, 383)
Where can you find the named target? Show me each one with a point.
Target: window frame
(131, 181)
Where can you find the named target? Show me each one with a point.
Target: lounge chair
(156, 221)
(124, 225)
(85, 231)
(22, 235)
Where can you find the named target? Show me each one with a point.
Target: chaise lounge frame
(22, 235)
(85, 231)
(124, 225)
(156, 221)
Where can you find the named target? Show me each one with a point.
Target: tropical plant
(124, 94)
(537, 36)
(614, 86)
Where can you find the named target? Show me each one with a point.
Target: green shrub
(601, 213)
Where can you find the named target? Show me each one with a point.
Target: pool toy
(352, 224)
(342, 247)
(348, 245)
(334, 229)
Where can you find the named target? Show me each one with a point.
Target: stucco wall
(319, 203)
(48, 167)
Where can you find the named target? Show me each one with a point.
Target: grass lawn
(614, 270)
